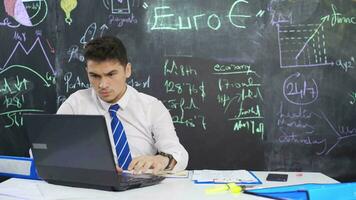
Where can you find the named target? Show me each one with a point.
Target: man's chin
(107, 99)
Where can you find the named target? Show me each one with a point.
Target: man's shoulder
(143, 97)
(83, 94)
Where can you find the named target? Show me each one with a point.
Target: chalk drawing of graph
(302, 45)
(36, 47)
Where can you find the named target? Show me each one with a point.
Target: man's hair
(106, 48)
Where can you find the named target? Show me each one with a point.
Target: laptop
(75, 150)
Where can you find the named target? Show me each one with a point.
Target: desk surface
(168, 189)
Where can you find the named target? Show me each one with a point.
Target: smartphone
(277, 177)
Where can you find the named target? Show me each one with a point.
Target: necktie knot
(113, 109)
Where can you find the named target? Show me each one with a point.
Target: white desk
(168, 189)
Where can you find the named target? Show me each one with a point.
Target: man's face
(108, 78)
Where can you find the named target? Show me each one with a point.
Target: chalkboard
(252, 84)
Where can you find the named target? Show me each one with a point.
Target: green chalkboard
(253, 84)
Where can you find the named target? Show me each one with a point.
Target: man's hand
(118, 169)
(142, 163)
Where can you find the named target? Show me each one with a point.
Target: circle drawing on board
(27, 12)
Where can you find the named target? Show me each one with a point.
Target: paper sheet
(224, 176)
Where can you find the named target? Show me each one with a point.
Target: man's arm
(166, 142)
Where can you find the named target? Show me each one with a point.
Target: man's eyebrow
(93, 73)
(111, 72)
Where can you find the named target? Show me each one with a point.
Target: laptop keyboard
(140, 179)
(130, 181)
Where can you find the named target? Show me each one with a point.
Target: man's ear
(128, 70)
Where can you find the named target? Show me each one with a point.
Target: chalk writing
(191, 92)
(60, 100)
(120, 21)
(297, 90)
(18, 82)
(191, 122)
(140, 83)
(19, 37)
(74, 54)
(250, 125)
(299, 119)
(6, 22)
(12, 90)
(15, 117)
(225, 84)
(181, 70)
(296, 123)
(298, 126)
(33, 6)
(74, 83)
(181, 104)
(353, 98)
(16, 101)
(337, 18)
(240, 99)
(165, 18)
(191, 88)
(16, 91)
(184, 105)
(346, 64)
(50, 78)
(233, 69)
(292, 137)
(13, 86)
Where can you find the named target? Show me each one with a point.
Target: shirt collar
(123, 101)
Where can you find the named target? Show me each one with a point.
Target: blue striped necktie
(122, 147)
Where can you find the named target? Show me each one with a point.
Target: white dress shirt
(147, 122)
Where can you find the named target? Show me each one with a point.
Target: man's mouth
(104, 93)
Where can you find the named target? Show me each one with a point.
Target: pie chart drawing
(27, 12)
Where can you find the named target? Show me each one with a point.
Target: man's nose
(103, 83)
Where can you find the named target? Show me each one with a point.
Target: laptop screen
(75, 150)
(68, 142)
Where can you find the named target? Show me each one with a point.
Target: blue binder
(335, 191)
(32, 171)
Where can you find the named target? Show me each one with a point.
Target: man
(152, 142)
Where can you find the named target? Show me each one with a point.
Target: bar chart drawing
(302, 45)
